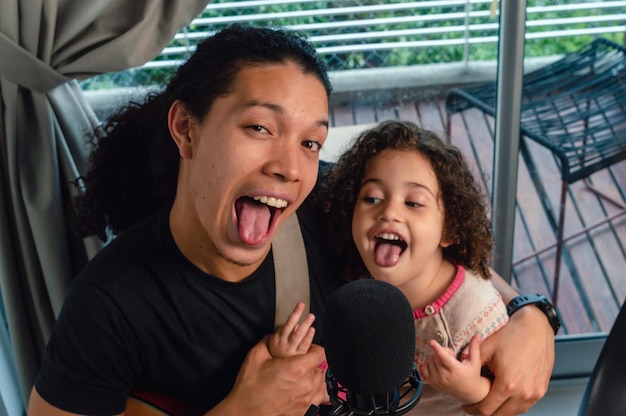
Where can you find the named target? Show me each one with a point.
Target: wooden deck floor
(593, 270)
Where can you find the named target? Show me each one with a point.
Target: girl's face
(398, 219)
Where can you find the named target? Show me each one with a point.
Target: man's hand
(271, 386)
(521, 356)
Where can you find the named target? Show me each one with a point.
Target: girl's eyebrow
(379, 182)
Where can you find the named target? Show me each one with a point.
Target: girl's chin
(383, 275)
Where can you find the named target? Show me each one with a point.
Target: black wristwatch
(539, 301)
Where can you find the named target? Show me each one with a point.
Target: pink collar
(435, 307)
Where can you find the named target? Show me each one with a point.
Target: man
(197, 181)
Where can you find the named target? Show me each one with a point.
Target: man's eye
(313, 145)
(259, 129)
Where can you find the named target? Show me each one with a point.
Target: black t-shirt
(141, 316)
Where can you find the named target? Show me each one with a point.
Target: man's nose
(284, 163)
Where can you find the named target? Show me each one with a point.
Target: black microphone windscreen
(369, 336)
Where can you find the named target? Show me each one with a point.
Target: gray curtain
(45, 45)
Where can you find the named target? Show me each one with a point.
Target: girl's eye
(312, 145)
(413, 204)
(371, 200)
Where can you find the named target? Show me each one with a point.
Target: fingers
(488, 406)
(314, 361)
(293, 337)
(474, 350)
(260, 352)
(306, 341)
(303, 333)
(292, 321)
(501, 402)
(321, 393)
(441, 355)
(316, 355)
(424, 372)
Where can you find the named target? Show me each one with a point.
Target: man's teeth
(388, 236)
(271, 201)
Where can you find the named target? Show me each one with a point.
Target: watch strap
(541, 302)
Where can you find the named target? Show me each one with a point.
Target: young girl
(404, 208)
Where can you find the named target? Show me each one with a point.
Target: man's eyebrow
(323, 123)
(270, 106)
(279, 109)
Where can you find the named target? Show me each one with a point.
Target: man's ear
(180, 124)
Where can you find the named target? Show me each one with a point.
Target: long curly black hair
(134, 164)
(467, 223)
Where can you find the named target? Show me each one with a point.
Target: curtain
(45, 46)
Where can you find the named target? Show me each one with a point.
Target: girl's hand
(293, 338)
(460, 379)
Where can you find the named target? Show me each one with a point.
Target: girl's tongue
(387, 254)
(253, 220)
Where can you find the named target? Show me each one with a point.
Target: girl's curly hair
(466, 217)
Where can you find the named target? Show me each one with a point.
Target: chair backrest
(606, 390)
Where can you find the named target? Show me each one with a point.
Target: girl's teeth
(388, 236)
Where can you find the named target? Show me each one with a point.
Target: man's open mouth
(256, 217)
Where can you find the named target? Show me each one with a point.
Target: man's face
(254, 159)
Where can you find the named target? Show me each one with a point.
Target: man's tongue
(387, 255)
(254, 220)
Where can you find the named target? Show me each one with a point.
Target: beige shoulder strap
(292, 271)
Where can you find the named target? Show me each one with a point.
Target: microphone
(369, 339)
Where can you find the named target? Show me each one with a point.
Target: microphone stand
(347, 403)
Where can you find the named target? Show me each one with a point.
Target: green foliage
(401, 26)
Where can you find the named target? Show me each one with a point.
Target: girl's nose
(391, 211)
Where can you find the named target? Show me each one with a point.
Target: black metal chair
(605, 393)
(575, 107)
